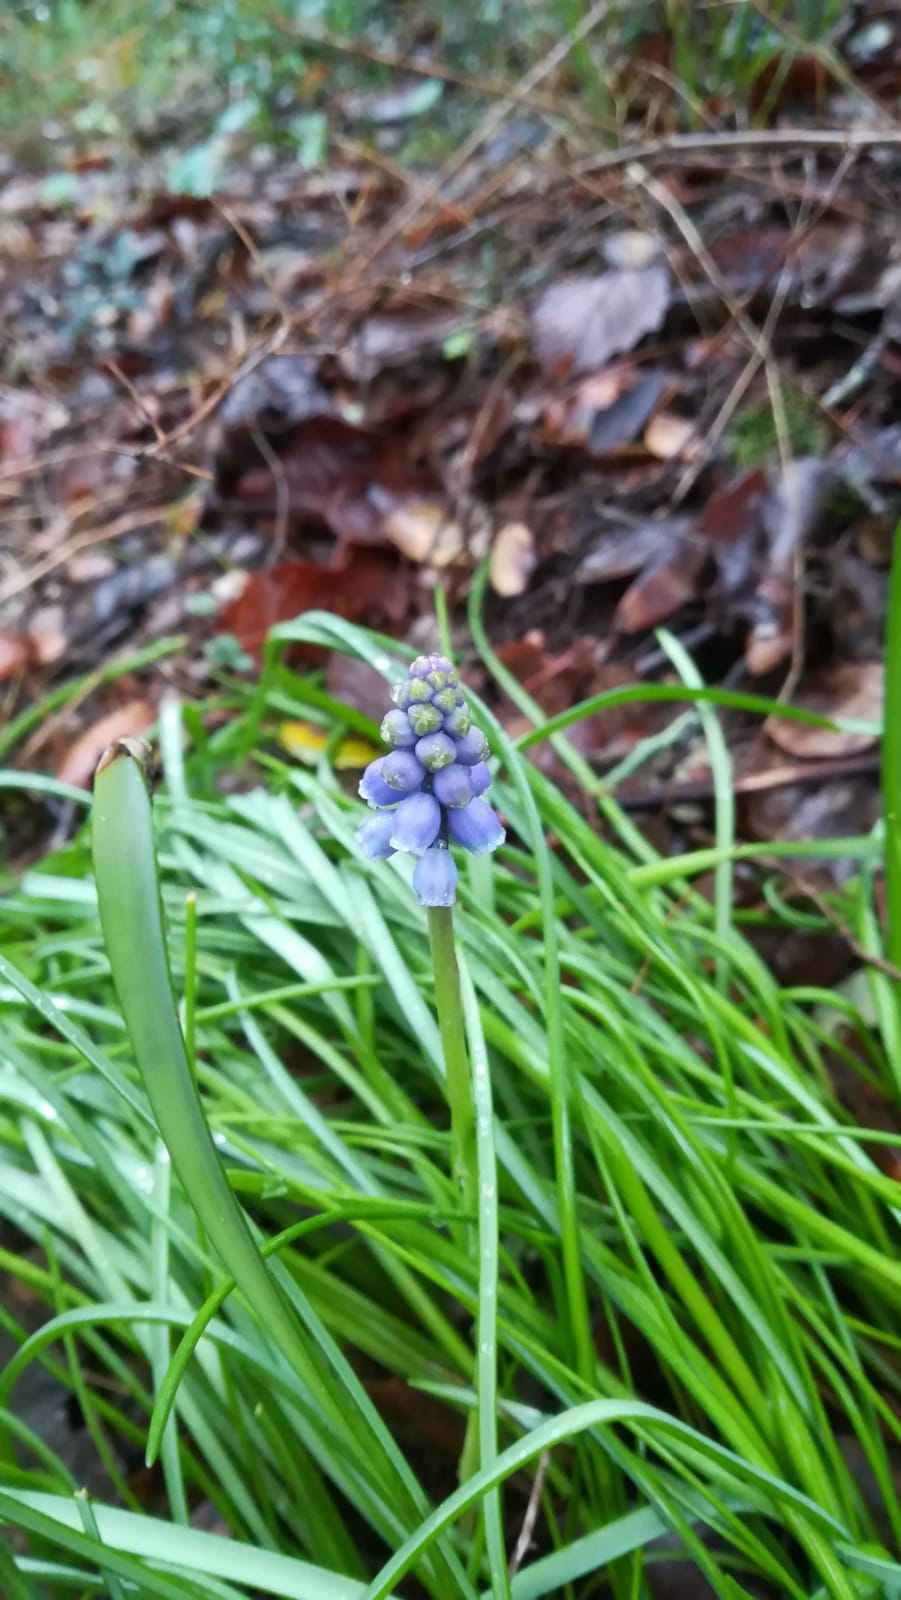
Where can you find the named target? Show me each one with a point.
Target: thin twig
(524, 1542)
(756, 141)
(82, 541)
(241, 369)
(282, 491)
(138, 398)
(660, 795)
(250, 245)
(868, 957)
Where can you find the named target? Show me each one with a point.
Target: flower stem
(456, 1060)
(464, 1145)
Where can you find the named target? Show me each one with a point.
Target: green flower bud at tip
(424, 719)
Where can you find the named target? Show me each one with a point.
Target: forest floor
(651, 374)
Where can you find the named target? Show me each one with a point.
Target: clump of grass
(753, 439)
(666, 1145)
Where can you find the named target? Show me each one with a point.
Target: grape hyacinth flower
(427, 792)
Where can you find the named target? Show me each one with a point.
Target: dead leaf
(825, 811)
(422, 531)
(356, 684)
(852, 691)
(733, 511)
(512, 559)
(604, 411)
(580, 323)
(17, 653)
(128, 721)
(360, 483)
(280, 391)
(404, 330)
(789, 513)
(630, 248)
(670, 437)
(624, 551)
(662, 588)
(554, 682)
(360, 585)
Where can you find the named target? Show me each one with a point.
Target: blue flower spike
(426, 793)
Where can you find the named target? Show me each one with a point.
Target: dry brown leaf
(853, 691)
(422, 531)
(668, 436)
(361, 584)
(653, 597)
(580, 323)
(631, 248)
(17, 653)
(512, 559)
(128, 721)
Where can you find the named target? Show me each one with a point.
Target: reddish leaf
(128, 721)
(558, 682)
(733, 512)
(555, 682)
(360, 585)
(661, 589)
(655, 596)
(17, 653)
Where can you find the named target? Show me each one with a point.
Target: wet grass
(669, 1153)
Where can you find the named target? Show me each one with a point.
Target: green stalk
(132, 919)
(472, 1142)
(453, 1044)
(131, 915)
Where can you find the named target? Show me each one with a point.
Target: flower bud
(419, 689)
(374, 837)
(424, 719)
(435, 751)
(475, 826)
(373, 787)
(435, 877)
(472, 748)
(415, 824)
(480, 777)
(457, 722)
(396, 730)
(401, 771)
(453, 785)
